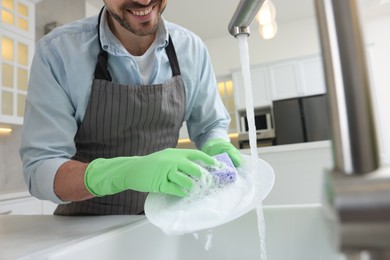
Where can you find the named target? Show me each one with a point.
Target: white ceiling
(210, 18)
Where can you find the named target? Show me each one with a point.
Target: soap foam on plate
(177, 216)
(227, 173)
(214, 177)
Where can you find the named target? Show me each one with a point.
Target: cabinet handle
(8, 212)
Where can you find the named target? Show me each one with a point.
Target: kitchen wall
(378, 40)
(59, 11)
(11, 175)
(294, 39)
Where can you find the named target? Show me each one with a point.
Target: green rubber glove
(170, 171)
(218, 145)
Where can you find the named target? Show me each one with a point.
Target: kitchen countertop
(290, 147)
(14, 194)
(23, 236)
(301, 231)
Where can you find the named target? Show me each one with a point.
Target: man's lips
(142, 12)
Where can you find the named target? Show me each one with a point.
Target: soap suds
(209, 208)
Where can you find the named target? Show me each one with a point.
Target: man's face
(137, 16)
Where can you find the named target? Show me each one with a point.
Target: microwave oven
(262, 122)
(265, 132)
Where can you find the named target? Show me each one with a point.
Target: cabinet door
(312, 75)
(18, 16)
(260, 92)
(15, 60)
(285, 81)
(260, 83)
(22, 206)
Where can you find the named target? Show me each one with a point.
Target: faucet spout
(243, 16)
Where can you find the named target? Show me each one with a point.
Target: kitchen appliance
(301, 119)
(265, 133)
(263, 121)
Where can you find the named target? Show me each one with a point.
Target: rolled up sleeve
(49, 125)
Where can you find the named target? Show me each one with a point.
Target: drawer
(21, 206)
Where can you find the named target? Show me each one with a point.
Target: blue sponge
(227, 173)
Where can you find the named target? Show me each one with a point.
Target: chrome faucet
(357, 189)
(243, 16)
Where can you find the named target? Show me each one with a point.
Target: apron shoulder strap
(170, 49)
(101, 69)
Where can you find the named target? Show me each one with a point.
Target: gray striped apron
(123, 120)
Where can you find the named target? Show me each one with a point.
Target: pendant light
(266, 19)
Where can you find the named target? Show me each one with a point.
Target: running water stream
(245, 65)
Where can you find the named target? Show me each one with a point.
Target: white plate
(177, 216)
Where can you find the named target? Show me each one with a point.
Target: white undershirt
(146, 63)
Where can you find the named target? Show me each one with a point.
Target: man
(107, 97)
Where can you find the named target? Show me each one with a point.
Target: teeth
(141, 12)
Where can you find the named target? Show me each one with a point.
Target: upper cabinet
(297, 77)
(260, 82)
(17, 34)
(18, 16)
(311, 73)
(285, 81)
(281, 80)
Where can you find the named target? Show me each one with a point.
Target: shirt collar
(111, 44)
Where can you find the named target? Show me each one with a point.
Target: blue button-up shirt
(60, 83)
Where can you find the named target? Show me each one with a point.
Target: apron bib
(126, 120)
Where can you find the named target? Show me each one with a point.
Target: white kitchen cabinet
(297, 78)
(260, 91)
(26, 205)
(312, 76)
(284, 80)
(16, 56)
(18, 16)
(17, 38)
(21, 206)
(281, 80)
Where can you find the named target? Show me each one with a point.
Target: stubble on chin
(143, 29)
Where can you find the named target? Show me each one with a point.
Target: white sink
(292, 232)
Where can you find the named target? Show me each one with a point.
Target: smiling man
(107, 97)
